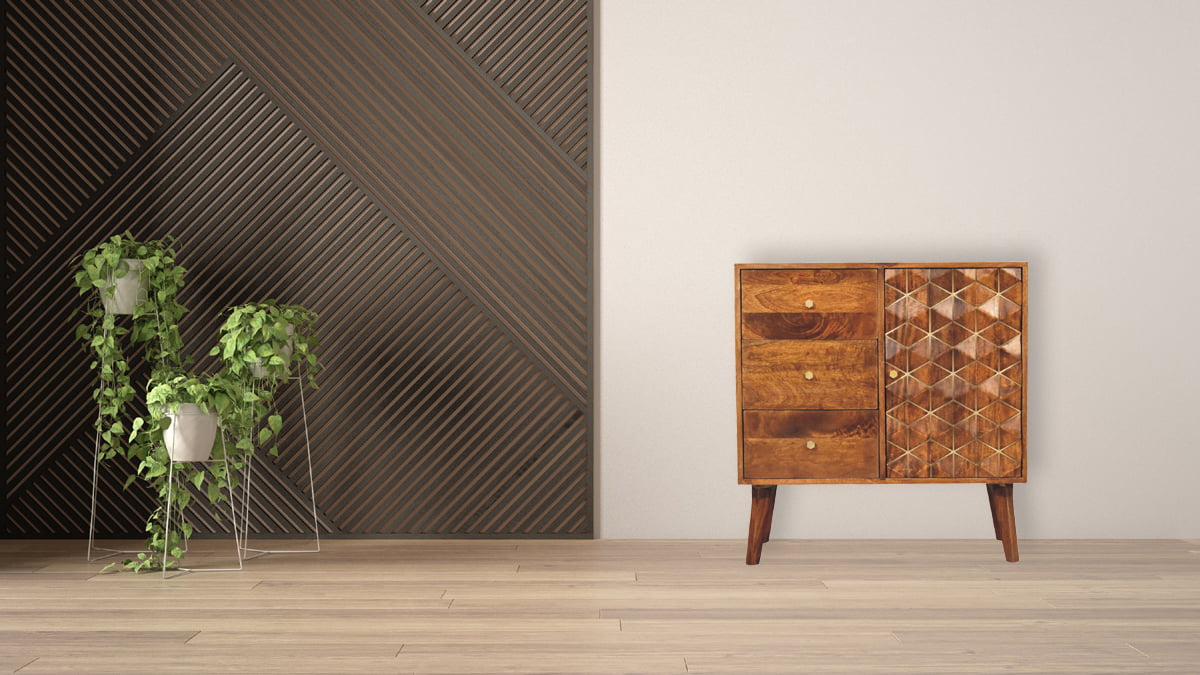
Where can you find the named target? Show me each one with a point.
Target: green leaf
(275, 422)
(198, 479)
(264, 435)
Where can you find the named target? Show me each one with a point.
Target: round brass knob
(809, 304)
(811, 445)
(808, 374)
(893, 374)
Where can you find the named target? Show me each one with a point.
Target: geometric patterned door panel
(953, 372)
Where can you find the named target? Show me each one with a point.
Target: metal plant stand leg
(92, 548)
(312, 492)
(237, 542)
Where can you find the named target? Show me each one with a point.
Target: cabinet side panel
(954, 372)
(737, 348)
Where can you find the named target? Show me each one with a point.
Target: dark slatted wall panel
(424, 189)
(537, 52)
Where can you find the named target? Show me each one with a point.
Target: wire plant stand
(237, 539)
(104, 551)
(251, 553)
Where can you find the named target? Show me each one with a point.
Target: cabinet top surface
(877, 265)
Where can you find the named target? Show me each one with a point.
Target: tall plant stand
(103, 551)
(312, 492)
(237, 540)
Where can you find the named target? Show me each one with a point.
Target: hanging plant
(167, 397)
(103, 275)
(262, 344)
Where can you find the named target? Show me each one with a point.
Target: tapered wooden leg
(992, 501)
(766, 535)
(762, 506)
(1004, 519)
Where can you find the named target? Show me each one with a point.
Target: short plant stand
(237, 540)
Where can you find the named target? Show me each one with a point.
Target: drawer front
(791, 444)
(810, 374)
(809, 304)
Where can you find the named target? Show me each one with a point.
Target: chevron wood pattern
(418, 179)
(537, 52)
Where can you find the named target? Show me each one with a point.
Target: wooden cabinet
(881, 373)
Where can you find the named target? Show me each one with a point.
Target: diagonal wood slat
(351, 157)
(512, 232)
(536, 52)
(81, 102)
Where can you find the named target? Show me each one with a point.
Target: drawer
(808, 304)
(796, 444)
(810, 374)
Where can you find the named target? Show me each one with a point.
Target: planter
(130, 289)
(191, 434)
(258, 371)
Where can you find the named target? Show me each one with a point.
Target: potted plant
(185, 415)
(263, 340)
(117, 271)
(260, 344)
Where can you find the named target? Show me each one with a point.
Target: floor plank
(432, 606)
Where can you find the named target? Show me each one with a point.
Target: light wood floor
(387, 606)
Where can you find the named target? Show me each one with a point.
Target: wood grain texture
(953, 353)
(1077, 607)
(951, 376)
(536, 52)
(791, 290)
(809, 304)
(418, 173)
(762, 512)
(775, 374)
(1000, 499)
(809, 326)
(845, 444)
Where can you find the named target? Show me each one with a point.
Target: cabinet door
(954, 372)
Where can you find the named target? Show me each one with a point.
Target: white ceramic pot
(130, 288)
(191, 434)
(259, 371)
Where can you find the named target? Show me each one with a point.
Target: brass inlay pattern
(953, 336)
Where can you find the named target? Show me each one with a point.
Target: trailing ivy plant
(261, 344)
(154, 325)
(218, 393)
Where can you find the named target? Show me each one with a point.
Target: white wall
(1062, 133)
